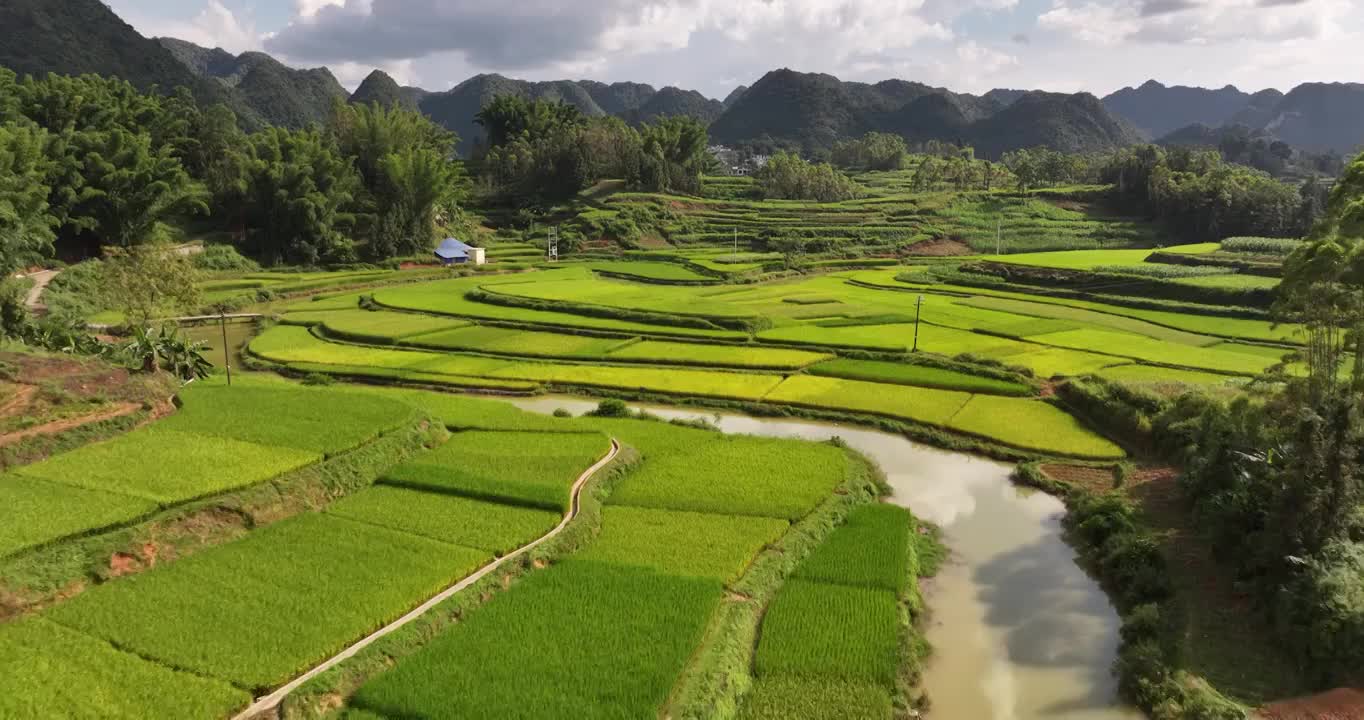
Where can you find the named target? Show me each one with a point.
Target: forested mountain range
(783, 109)
(1317, 117)
(71, 37)
(810, 112)
(633, 102)
(281, 95)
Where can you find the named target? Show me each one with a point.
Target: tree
(409, 175)
(129, 188)
(300, 197)
(789, 177)
(508, 117)
(148, 282)
(25, 225)
(612, 149)
(873, 151)
(673, 154)
(417, 187)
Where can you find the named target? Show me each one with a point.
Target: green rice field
(179, 567)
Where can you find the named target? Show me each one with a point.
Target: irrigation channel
(1019, 631)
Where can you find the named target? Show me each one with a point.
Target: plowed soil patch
(1093, 479)
(58, 426)
(1340, 704)
(940, 248)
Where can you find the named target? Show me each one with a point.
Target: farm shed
(452, 251)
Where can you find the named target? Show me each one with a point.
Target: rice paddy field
(848, 342)
(412, 489)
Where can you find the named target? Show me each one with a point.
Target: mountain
(1314, 117)
(675, 101)
(618, 98)
(1257, 148)
(279, 94)
(810, 112)
(455, 108)
(1259, 111)
(1158, 110)
(1321, 117)
(378, 87)
(1071, 123)
(806, 110)
(734, 95)
(1005, 96)
(633, 102)
(73, 37)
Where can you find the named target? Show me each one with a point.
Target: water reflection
(1019, 631)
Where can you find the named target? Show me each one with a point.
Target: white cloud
(215, 25)
(1199, 22)
(713, 45)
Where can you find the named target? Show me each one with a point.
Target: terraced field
(295, 591)
(573, 328)
(890, 216)
(717, 342)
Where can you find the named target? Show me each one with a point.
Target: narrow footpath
(269, 702)
(33, 301)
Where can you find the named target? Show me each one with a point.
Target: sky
(713, 46)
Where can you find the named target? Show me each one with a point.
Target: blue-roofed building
(453, 252)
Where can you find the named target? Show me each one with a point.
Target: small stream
(1019, 630)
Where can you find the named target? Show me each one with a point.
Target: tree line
(88, 162)
(1276, 476)
(539, 153)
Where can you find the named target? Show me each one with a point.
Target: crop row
(257, 611)
(215, 443)
(1022, 423)
(917, 375)
(832, 635)
(567, 640)
(507, 467)
(448, 298)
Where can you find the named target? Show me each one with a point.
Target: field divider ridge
(271, 701)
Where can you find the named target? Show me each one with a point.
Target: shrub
(1260, 245)
(1322, 612)
(224, 258)
(1142, 623)
(611, 408)
(1158, 270)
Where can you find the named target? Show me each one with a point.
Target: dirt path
(22, 395)
(270, 702)
(1342, 704)
(40, 280)
(63, 425)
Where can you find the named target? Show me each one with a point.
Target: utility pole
(917, 309)
(999, 236)
(735, 257)
(227, 355)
